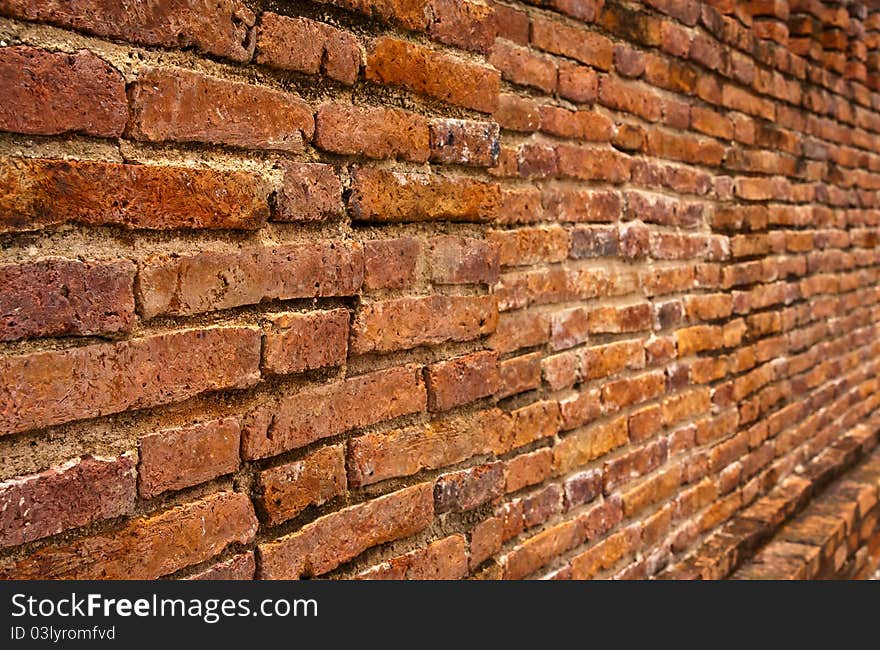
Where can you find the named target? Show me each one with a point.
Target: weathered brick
(73, 494)
(286, 490)
(469, 25)
(433, 73)
(445, 559)
(182, 106)
(462, 260)
(390, 263)
(464, 142)
(371, 131)
(46, 388)
(308, 192)
(299, 342)
(239, 567)
(57, 297)
(374, 457)
(40, 192)
(211, 280)
(177, 458)
(145, 548)
(48, 93)
(525, 246)
(407, 323)
(528, 469)
(522, 66)
(303, 45)
(519, 374)
(461, 380)
(323, 411)
(380, 195)
(468, 488)
(582, 45)
(329, 541)
(222, 28)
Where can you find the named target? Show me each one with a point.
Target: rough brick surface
(49, 93)
(562, 289)
(336, 538)
(39, 193)
(185, 456)
(73, 494)
(186, 106)
(45, 388)
(57, 297)
(148, 547)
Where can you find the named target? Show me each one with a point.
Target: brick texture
(439, 289)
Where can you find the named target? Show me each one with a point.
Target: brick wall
(430, 288)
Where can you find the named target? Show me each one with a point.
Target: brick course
(404, 289)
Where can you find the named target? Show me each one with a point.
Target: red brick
(528, 469)
(593, 164)
(239, 567)
(512, 23)
(57, 297)
(390, 263)
(517, 113)
(537, 551)
(380, 195)
(583, 445)
(57, 386)
(222, 28)
(211, 280)
(445, 559)
(468, 488)
(583, 205)
(578, 409)
(178, 458)
(526, 246)
(469, 25)
(407, 323)
(47, 93)
(488, 536)
(626, 392)
(521, 66)
(286, 490)
(582, 487)
(519, 330)
(461, 260)
(539, 506)
(303, 45)
(433, 73)
(520, 374)
(374, 457)
(41, 193)
(309, 192)
(145, 548)
(329, 541)
(604, 360)
(371, 131)
(462, 380)
(530, 423)
(299, 342)
(628, 62)
(182, 106)
(631, 98)
(314, 413)
(582, 45)
(464, 142)
(73, 494)
(578, 83)
(582, 125)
